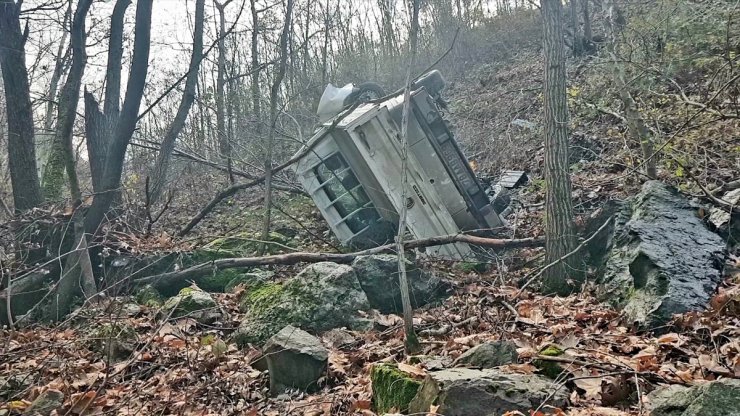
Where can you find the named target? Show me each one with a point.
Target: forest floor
(177, 367)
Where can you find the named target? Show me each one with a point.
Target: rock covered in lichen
(489, 355)
(115, 340)
(716, 398)
(321, 297)
(252, 278)
(193, 303)
(392, 388)
(148, 296)
(488, 392)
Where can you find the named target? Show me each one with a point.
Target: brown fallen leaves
(180, 367)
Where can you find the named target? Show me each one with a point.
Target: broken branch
(306, 257)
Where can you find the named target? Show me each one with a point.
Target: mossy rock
(242, 245)
(148, 296)
(115, 340)
(550, 369)
(193, 303)
(393, 390)
(253, 278)
(323, 296)
(471, 266)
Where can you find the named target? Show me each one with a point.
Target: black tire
(367, 91)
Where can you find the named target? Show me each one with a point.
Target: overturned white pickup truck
(352, 171)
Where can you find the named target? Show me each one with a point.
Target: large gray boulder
(295, 360)
(716, 398)
(378, 276)
(47, 402)
(662, 260)
(321, 297)
(489, 392)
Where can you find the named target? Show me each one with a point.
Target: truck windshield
(346, 193)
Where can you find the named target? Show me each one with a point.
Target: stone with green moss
(253, 278)
(716, 398)
(393, 389)
(242, 245)
(321, 297)
(472, 266)
(148, 296)
(193, 303)
(550, 369)
(115, 340)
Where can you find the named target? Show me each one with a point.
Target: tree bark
(159, 173)
(274, 96)
(99, 126)
(636, 125)
(77, 271)
(21, 148)
(224, 145)
(111, 180)
(559, 227)
(576, 28)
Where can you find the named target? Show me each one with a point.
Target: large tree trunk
(577, 41)
(21, 148)
(126, 123)
(274, 96)
(159, 173)
(77, 271)
(99, 126)
(559, 227)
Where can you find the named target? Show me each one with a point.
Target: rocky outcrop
(662, 259)
(488, 355)
(295, 360)
(252, 278)
(489, 392)
(192, 303)
(378, 276)
(716, 398)
(321, 297)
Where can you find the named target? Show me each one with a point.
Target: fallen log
(206, 268)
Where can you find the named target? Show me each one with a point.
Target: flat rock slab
(716, 398)
(295, 360)
(488, 392)
(663, 259)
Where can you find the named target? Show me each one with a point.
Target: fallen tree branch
(207, 268)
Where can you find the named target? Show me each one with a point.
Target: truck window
(346, 193)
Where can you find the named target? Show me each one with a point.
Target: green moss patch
(393, 390)
(550, 369)
(148, 296)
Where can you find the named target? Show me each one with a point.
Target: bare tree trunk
(77, 271)
(44, 145)
(412, 343)
(224, 145)
(21, 148)
(99, 126)
(111, 180)
(587, 33)
(274, 96)
(159, 173)
(255, 87)
(559, 227)
(576, 27)
(635, 123)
